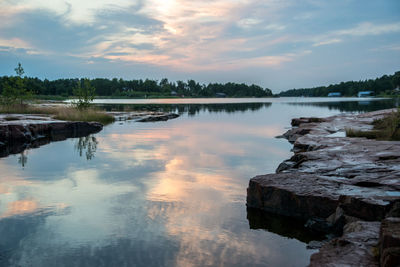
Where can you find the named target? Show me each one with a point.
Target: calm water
(157, 194)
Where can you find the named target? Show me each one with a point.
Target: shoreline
(346, 188)
(23, 131)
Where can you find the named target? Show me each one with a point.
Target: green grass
(387, 128)
(74, 114)
(357, 133)
(60, 113)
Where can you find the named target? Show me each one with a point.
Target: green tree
(84, 91)
(19, 70)
(14, 89)
(396, 79)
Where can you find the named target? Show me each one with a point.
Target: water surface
(157, 194)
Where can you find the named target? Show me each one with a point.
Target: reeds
(74, 114)
(60, 112)
(387, 128)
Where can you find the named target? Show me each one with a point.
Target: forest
(382, 86)
(139, 88)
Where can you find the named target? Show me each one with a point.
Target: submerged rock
(161, 117)
(143, 116)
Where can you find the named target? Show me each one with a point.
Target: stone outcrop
(148, 116)
(19, 132)
(333, 181)
(390, 242)
(356, 247)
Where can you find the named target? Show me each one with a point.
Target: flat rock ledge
(144, 116)
(347, 188)
(19, 132)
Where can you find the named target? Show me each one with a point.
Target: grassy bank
(387, 128)
(73, 114)
(61, 113)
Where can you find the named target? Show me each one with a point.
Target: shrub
(85, 93)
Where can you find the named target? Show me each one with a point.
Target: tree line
(384, 85)
(137, 88)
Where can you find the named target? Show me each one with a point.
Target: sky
(277, 44)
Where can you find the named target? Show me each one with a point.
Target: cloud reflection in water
(158, 194)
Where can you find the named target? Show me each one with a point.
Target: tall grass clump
(387, 128)
(88, 114)
(60, 113)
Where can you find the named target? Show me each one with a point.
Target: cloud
(72, 11)
(392, 47)
(362, 29)
(248, 22)
(181, 37)
(368, 28)
(275, 27)
(18, 46)
(328, 42)
(181, 34)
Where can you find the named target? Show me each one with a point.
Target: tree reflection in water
(23, 158)
(86, 145)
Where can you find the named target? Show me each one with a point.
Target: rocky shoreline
(19, 132)
(347, 188)
(23, 131)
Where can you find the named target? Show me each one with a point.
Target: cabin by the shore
(365, 93)
(334, 94)
(220, 95)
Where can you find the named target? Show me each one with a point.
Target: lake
(159, 194)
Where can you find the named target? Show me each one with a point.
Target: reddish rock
(333, 181)
(357, 247)
(291, 195)
(389, 240)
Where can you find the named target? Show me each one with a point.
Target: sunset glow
(211, 41)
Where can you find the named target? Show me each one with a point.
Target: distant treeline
(190, 109)
(142, 88)
(384, 85)
(353, 106)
